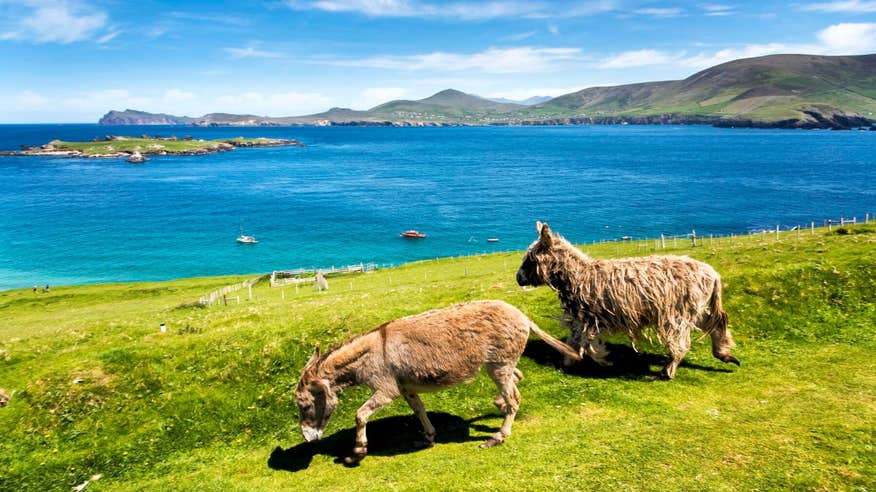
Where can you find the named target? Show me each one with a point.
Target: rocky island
(134, 149)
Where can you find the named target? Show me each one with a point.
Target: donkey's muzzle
(521, 279)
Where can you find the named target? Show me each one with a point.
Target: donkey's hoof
(359, 453)
(491, 442)
(426, 444)
(352, 460)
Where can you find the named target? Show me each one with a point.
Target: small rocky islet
(136, 149)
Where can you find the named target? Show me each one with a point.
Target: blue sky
(71, 61)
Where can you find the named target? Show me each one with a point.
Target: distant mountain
(787, 91)
(526, 102)
(134, 117)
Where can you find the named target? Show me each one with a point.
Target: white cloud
(849, 37)
(251, 52)
(837, 39)
(470, 11)
(177, 96)
(659, 12)
(717, 10)
(553, 29)
(638, 58)
(378, 95)
(853, 6)
(108, 37)
(28, 99)
(520, 36)
(524, 59)
(279, 104)
(54, 21)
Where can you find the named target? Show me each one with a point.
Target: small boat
(412, 234)
(244, 239)
(492, 240)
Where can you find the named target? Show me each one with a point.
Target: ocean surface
(345, 197)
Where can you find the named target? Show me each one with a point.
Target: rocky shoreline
(57, 148)
(818, 122)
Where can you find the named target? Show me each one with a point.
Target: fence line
(214, 296)
(279, 278)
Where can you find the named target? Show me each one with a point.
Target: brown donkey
(673, 294)
(417, 354)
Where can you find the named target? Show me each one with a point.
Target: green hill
(97, 389)
(788, 90)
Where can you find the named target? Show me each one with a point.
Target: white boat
(244, 239)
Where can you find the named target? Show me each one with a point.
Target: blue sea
(345, 197)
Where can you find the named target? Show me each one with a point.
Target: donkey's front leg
(377, 401)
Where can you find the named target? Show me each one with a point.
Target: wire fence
(623, 245)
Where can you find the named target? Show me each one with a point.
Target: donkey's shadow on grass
(388, 436)
(625, 363)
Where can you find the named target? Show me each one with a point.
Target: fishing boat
(412, 234)
(492, 240)
(244, 239)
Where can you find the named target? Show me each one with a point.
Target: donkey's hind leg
(504, 375)
(417, 406)
(678, 346)
(500, 400)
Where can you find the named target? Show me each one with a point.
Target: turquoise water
(345, 197)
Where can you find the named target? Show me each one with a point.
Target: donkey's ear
(313, 358)
(544, 233)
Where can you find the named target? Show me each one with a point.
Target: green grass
(149, 145)
(96, 389)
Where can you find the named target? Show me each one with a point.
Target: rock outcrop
(136, 158)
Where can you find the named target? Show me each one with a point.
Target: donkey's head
(315, 398)
(531, 271)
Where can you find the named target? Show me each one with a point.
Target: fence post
(777, 232)
(812, 227)
(250, 291)
(662, 241)
(693, 237)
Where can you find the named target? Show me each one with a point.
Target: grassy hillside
(769, 88)
(788, 91)
(97, 389)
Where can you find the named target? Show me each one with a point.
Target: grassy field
(97, 389)
(151, 145)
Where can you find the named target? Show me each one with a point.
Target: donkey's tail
(716, 326)
(553, 342)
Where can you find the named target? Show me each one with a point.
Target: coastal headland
(776, 91)
(115, 146)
